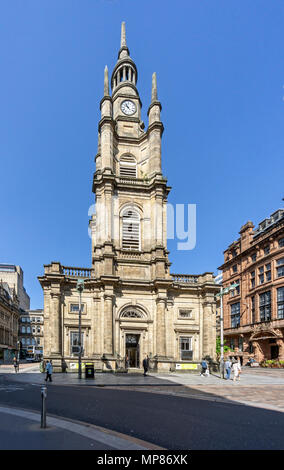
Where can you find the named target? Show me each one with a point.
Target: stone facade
(131, 304)
(9, 318)
(254, 313)
(31, 332)
(14, 277)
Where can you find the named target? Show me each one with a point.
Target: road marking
(10, 388)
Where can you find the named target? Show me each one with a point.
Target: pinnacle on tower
(123, 35)
(154, 88)
(106, 82)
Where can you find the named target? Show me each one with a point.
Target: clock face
(128, 107)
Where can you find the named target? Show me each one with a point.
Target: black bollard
(43, 406)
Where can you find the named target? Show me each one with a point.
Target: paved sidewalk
(20, 430)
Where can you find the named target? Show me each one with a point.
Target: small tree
(218, 347)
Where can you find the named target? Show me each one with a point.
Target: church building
(132, 305)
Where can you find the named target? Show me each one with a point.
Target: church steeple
(125, 71)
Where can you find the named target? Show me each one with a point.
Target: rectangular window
(232, 344)
(261, 275)
(235, 268)
(186, 348)
(281, 242)
(280, 302)
(235, 315)
(185, 313)
(236, 291)
(268, 273)
(261, 278)
(253, 257)
(266, 250)
(280, 267)
(253, 309)
(74, 343)
(74, 308)
(252, 279)
(241, 343)
(265, 306)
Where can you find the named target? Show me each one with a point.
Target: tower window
(128, 166)
(130, 230)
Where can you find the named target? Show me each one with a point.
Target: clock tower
(129, 229)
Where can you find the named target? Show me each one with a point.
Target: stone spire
(123, 35)
(106, 83)
(125, 70)
(154, 88)
(123, 51)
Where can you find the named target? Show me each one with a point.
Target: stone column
(95, 327)
(108, 325)
(280, 344)
(161, 327)
(55, 324)
(209, 330)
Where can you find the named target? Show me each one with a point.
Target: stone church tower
(132, 305)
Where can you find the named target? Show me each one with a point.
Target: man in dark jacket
(145, 365)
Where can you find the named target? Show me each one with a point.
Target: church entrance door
(132, 350)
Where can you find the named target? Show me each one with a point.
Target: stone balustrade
(76, 272)
(185, 278)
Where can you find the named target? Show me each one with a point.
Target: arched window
(130, 230)
(128, 166)
(131, 313)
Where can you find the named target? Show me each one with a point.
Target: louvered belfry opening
(130, 230)
(128, 166)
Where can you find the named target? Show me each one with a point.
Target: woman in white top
(236, 370)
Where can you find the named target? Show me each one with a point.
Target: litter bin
(89, 371)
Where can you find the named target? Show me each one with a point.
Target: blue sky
(220, 73)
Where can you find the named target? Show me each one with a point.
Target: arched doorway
(133, 325)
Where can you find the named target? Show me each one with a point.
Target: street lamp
(223, 291)
(18, 349)
(80, 288)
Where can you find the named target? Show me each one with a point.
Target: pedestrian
(237, 370)
(48, 370)
(228, 366)
(64, 366)
(16, 364)
(145, 365)
(148, 362)
(204, 367)
(126, 361)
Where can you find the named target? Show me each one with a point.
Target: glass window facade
(265, 306)
(235, 315)
(280, 302)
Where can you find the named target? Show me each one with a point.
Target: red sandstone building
(254, 312)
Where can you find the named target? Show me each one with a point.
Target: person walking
(204, 367)
(126, 361)
(145, 365)
(16, 364)
(48, 370)
(237, 370)
(228, 366)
